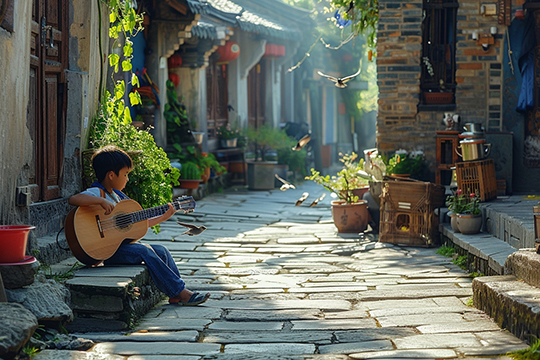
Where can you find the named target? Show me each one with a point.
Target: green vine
(152, 174)
(363, 14)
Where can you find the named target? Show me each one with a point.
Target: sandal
(195, 299)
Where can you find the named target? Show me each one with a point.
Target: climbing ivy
(152, 174)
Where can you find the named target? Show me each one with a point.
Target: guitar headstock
(185, 203)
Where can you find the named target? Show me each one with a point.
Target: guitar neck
(183, 204)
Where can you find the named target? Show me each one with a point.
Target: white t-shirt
(95, 191)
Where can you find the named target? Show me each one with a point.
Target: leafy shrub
(152, 175)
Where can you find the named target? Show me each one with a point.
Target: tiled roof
(261, 16)
(207, 29)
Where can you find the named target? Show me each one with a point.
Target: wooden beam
(181, 8)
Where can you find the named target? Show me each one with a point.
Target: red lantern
(175, 61)
(274, 50)
(174, 78)
(228, 52)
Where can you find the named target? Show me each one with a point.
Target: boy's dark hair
(110, 158)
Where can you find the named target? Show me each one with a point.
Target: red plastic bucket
(13, 240)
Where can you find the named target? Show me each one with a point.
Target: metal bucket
(473, 150)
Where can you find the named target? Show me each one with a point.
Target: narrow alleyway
(285, 286)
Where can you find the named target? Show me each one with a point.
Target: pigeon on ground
(301, 199)
(316, 201)
(302, 142)
(192, 229)
(286, 185)
(340, 82)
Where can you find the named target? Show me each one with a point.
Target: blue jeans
(159, 261)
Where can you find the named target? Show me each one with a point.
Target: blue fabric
(157, 258)
(120, 194)
(526, 96)
(159, 261)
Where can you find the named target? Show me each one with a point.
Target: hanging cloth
(526, 96)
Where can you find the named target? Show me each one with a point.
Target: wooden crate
(408, 212)
(477, 177)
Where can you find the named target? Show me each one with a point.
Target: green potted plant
(208, 163)
(190, 175)
(350, 214)
(456, 204)
(469, 217)
(228, 136)
(407, 165)
(260, 172)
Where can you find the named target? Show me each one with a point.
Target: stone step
(525, 265)
(47, 250)
(110, 298)
(487, 254)
(511, 220)
(513, 304)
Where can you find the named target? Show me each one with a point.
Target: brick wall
(478, 75)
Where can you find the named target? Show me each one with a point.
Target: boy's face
(119, 181)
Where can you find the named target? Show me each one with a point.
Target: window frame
(438, 56)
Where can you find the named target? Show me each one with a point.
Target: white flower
(429, 67)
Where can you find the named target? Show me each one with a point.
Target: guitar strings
(126, 219)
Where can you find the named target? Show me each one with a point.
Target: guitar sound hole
(123, 222)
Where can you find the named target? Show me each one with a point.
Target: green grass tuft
(475, 274)
(532, 353)
(446, 251)
(461, 261)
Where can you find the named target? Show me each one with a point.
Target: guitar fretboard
(186, 203)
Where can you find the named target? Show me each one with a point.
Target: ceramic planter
(229, 143)
(260, 175)
(350, 218)
(469, 224)
(13, 239)
(453, 223)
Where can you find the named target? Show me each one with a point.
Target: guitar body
(94, 237)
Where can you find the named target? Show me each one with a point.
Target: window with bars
(438, 62)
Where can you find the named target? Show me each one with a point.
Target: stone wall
(17, 158)
(16, 144)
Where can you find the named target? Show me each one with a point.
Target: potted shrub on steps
(190, 176)
(350, 214)
(260, 172)
(469, 220)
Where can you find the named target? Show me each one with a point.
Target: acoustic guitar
(94, 237)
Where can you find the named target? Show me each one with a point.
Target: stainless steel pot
(473, 127)
(471, 135)
(473, 149)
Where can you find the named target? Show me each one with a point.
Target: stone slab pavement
(286, 285)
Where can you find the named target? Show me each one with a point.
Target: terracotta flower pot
(350, 218)
(13, 239)
(189, 184)
(357, 192)
(469, 224)
(206, 175)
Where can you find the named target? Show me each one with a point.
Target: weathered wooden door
(256, 96)
(47, 105)
(217, 99)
